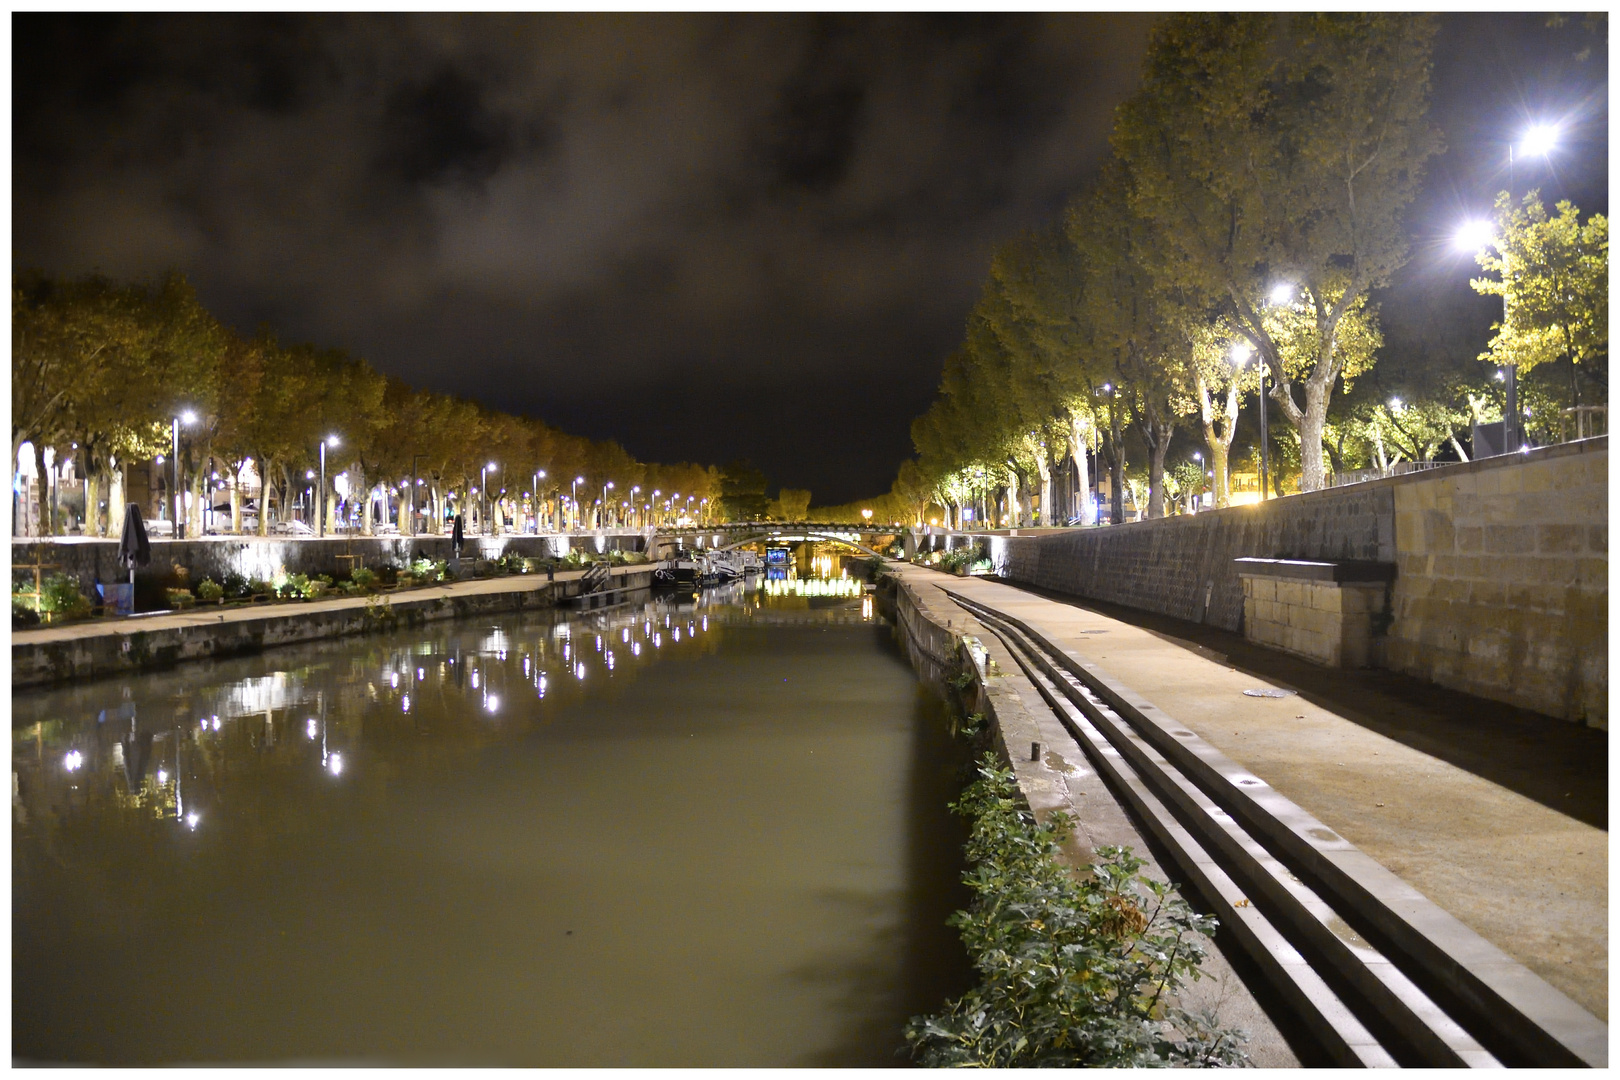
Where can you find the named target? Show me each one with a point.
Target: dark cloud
(705, 236)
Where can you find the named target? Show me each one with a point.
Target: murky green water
(706, 834)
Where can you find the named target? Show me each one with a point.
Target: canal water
(708, 832)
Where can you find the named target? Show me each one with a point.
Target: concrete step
(1433, 991)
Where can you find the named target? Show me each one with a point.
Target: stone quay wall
(1502, 581)
(1501, 587)
(96, 561)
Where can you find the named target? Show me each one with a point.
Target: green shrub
(363, 578)
(260, 587)
(209, 590)
(236, 586)
(59, 597)
(179, 598)
(1075, 969)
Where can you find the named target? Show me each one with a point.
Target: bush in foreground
(1076, 969)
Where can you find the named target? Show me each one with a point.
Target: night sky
(708, 237)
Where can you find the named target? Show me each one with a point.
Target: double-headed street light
(332, 441)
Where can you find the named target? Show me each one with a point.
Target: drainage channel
(1379, 975)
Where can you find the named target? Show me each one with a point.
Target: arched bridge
(735, 534)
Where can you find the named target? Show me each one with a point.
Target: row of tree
(100, 370)
(1254, 201)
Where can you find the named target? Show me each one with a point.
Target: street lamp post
(483, 491)
(539, 475)
(602, 523)
(188, 418)
(411, 528)
(634, 509)
(1198, 456)
(1241, 353)
(330, 440)
(573, 502)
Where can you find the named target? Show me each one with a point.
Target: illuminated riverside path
(704, 833)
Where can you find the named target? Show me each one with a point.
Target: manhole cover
(1268, 692)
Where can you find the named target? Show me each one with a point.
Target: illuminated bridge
(734, 534)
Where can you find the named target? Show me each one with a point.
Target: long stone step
(1428, 963)
(1411, 1028)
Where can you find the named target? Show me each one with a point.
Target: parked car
(291, 528)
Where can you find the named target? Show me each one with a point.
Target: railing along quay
(1377, 973)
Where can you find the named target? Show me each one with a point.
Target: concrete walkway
(205, 615)
(1531, 880)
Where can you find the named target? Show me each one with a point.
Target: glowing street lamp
(332, 441)
(573, 501)
(187, 418)
(483, 489)
(1474, 236)
(1240, 356)
(607, 487)
(539, 475)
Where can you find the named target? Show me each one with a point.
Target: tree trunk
(1159, 445)
(42, 475)
(117, 489)
(1044, 469)
(1077, 449)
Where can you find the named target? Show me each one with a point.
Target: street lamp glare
(1473, 235)
(1395, 403)
(1241, 352)
(333, 441)
(492, 467)
(188, 417)
(1282, 292)
(579, 479)
(1539, 140)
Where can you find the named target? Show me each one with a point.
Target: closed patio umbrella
(457, 536)
(133, 547)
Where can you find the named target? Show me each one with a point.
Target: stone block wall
(1501, 587)
(1326, 621)
(1183, 566)
(1502, 584)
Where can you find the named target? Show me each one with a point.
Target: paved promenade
(1529, 878)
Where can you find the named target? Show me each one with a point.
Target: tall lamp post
(1198, 456)
(1476, 235)
(332, 441)
(607, 487)
(483, 491)
(539, 475)
(1240, 355)
(411, 528)
(573, 502)
(188, 418)
(634, 509)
